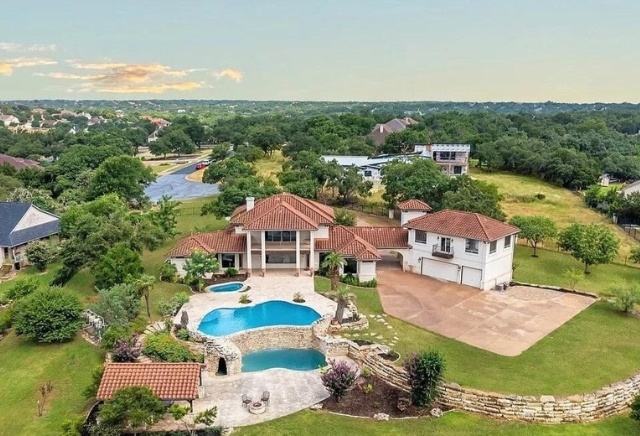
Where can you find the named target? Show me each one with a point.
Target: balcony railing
(437, 251)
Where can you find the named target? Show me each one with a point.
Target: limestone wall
(594, 406)
(274, 337)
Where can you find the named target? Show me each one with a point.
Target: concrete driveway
(505, 323)
(178, 187)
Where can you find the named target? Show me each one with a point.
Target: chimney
(250, 203)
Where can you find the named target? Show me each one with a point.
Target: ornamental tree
(132, 407)
(535, 229)
(592, 244)
(338, 379)
(425, 371)
(48, 315)
(40, 254)
(118, 265)
(198, 265)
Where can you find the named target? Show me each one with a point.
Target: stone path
(505, 323)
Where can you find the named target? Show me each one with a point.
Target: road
(178, 187)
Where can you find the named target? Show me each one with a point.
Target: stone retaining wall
(548, 409)
(274, 337)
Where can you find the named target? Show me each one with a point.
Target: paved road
(178, 187)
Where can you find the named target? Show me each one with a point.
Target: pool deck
(263, 289)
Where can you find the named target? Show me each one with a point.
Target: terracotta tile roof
(169, 381)
(418, 205)
(224, 241)
(383, 237)
(462, 224)
(292, 210)
(343, 240)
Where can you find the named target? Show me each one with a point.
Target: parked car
(200, 165)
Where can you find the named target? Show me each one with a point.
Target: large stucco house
(21, 223)
(286, 232)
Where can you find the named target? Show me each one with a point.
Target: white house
(286, 232)
(9, 120)
(453, 158)
(461, 247)
(370, 167)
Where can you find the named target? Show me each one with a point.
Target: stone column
(263, 253)
(298, 252)
(311, 253)
(248, 253)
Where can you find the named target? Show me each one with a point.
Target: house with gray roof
(21, 223)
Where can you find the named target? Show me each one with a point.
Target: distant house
(453, 158)
(18, 163)
(95, 120)
(9, 120)
(21, 223)
(631, 188)
(47, 124)
(381, 131)
(369, 166)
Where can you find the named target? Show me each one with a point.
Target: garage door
(471, 276)
(440, 270)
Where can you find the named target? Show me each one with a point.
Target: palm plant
(333, 263)
(144, 285)
(343, 297)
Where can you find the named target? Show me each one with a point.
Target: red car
(200, 165)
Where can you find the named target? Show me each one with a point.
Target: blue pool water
(226, 287)
(299, 360)
(221, 322)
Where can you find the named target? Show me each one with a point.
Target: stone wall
(274, 337)
(548, 409)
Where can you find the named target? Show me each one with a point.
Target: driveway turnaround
(505, 323)
(178, 187)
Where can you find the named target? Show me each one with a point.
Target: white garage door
(440, 270)
(471, 276)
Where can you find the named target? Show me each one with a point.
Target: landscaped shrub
(117, 305)
(163, 347)
(349, 279)
(22, 288)
(373, 283)
(345, 217)
(182, 334)
(134, 406)
(112, 334)
(625, 299)
(170, 307)
(635, 409)
(244, 299)
(298, 298)
(96, 377)
(40, 254)
(126, 350)
(48, 315)
(231, 272)
(338, 379)
(168, 273)
(6, 318)
(425, 372)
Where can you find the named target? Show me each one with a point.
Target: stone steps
(156, 327)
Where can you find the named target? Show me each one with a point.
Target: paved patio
(505, 323)
(271, 287)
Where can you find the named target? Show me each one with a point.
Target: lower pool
(221, 322)
(290, 358)
(226, 287)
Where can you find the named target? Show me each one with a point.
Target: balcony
(305, 244)
(437, 251)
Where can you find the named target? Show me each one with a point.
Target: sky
(339, 50)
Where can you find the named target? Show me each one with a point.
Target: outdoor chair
(265, 397)
(245, 400)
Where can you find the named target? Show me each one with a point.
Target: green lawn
(548, 267)
(559, 204)
(307, 423)
(25, 366)
(562, 363)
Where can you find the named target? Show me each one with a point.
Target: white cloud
(15, 47)
(230, 73)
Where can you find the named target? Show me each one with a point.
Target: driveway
(178, 187)
(505, 323)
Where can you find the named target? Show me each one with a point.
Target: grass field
(559, 204)
(269, 166)
(308, 423)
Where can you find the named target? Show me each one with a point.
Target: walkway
(505, 323)
(291, 391)
(178, 187)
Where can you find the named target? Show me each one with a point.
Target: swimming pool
(226, 287)
(220, 322)
(304, 359)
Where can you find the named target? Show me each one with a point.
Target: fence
(632, 230)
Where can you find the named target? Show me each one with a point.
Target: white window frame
(507, 241)
(467, 247)
(425, 237)
(493, 247)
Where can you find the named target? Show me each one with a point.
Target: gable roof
(383, 237)
(417, 205)
(462, 224)
(11, 213)
(283, 212)
(224, 241)
(362, 243)
(168, 381)
(18, 163)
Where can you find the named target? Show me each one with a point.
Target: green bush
(48, 315)
(168, 273)
(22, 288)
(170, 307)
(349, 279)
(244, 299)
(134, 406)
(425, 372)
(635, 409)
(40, 254)
(115, 333)
(182, 334)
(373, 283)
(231, 272)
(6, 319)
(118, 305)
(161, 346)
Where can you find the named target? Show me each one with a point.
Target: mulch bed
(382, 399)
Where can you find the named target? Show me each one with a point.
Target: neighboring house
(453, 158)
(95, 120)
(9, 120)
(461, 247)
(18, 163)
(631, 188)
(154, 136)
(369, 167)
(21, 223)
(47, 124)
(381, 131)
(288, 232)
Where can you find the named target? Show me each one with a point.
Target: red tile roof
(462, 224)
(383, 237)
(418, 205)
(291, 211)
(169, 381)
(19, 163)
(224, 241)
